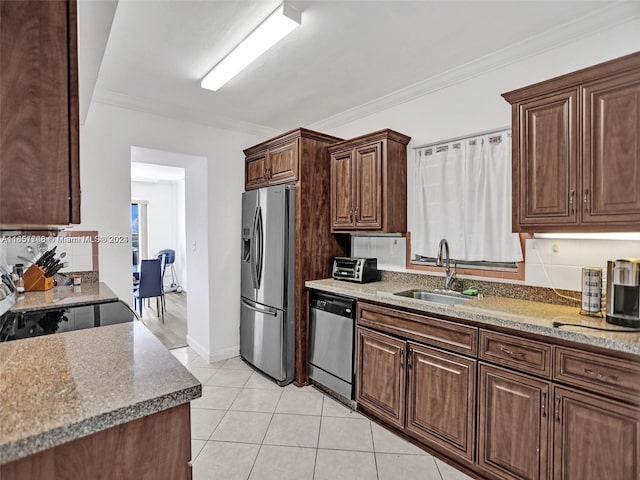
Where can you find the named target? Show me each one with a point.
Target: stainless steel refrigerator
(267, 302)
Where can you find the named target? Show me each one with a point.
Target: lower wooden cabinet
(441, 399)
(513, 424)
(380, 385)
(541, 411)
(594, 439)
(436, 405)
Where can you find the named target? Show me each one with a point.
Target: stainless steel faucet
(449, 275)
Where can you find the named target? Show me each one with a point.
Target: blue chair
(150, 285)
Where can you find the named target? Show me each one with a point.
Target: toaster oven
(354, 269)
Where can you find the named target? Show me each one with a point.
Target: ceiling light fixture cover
(273, 29)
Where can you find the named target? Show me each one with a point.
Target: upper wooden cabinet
(369, 183)
(40, 181)
(278, 160)
(576, 164)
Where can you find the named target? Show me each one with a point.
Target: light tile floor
(245, 427)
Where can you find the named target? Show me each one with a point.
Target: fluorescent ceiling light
(277, 25)
(591, 236)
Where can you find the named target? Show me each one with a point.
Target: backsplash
(80, 250)
(549, 263)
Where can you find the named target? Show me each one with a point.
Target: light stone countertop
(64, 296)
(522, 315)
(57, 388)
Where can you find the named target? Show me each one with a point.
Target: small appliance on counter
(623, 292)
(354, 269)
(8, 290)
(592, 291)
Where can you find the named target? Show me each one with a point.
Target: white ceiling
(344, 55)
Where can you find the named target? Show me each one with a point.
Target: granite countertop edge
(473, 311)
(42, 441)
(67, 296)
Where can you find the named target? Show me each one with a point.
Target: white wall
(105, 145)
(163, 219)
(475, 105)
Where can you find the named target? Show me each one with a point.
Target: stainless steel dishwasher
(331, 342)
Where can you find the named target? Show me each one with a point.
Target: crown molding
(176, 112)
(601, 19)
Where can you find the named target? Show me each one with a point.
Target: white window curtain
(463, 194)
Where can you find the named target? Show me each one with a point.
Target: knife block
(34, 280)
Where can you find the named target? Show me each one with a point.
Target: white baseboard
(213, 357)
(224, 354)
(199, 349)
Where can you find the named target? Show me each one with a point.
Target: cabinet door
(611, 155)
(283, 163)
(368, 212)
(546, 164)
(342, 187)
(513, 424)
(380, 375)
(594, 438)
(441, 399)
(255, 171)
(38, 115)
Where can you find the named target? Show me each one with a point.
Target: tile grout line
(373, 445)
(315, 460)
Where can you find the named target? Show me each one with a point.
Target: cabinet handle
(544, 404)
(401, 358)
(558, 401)
(357, 212)
(516, 355)
(268, 172)
(572, 195)
(585, 200)
(351, 215)
(601, 376)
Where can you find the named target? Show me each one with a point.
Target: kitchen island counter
(64, 296)
(58, 388)
(533, 317)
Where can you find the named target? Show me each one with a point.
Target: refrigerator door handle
(260, 247)
(268, 311)
(254, 241)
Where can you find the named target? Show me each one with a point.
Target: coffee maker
(623, 292)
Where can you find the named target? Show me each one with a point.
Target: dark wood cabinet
(426, 392)
(526, 408)
(301, 157)
(547, 160)
(276, 163)
(513, 424)
(381, 376)
(594, 438)
(369, 183)
(576, 166)
(441, 399)
(40, 181)
(611, 157)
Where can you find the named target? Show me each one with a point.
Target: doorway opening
(172, 190)
(158, 233)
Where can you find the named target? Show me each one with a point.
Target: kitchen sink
(433, 297)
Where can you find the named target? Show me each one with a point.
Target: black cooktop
(18, 325)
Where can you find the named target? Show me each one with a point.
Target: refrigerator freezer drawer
(262, 333)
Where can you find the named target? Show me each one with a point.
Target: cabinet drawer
(429, 330)
(522, 354)
(611, 376)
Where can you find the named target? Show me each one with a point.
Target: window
(462, 192)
